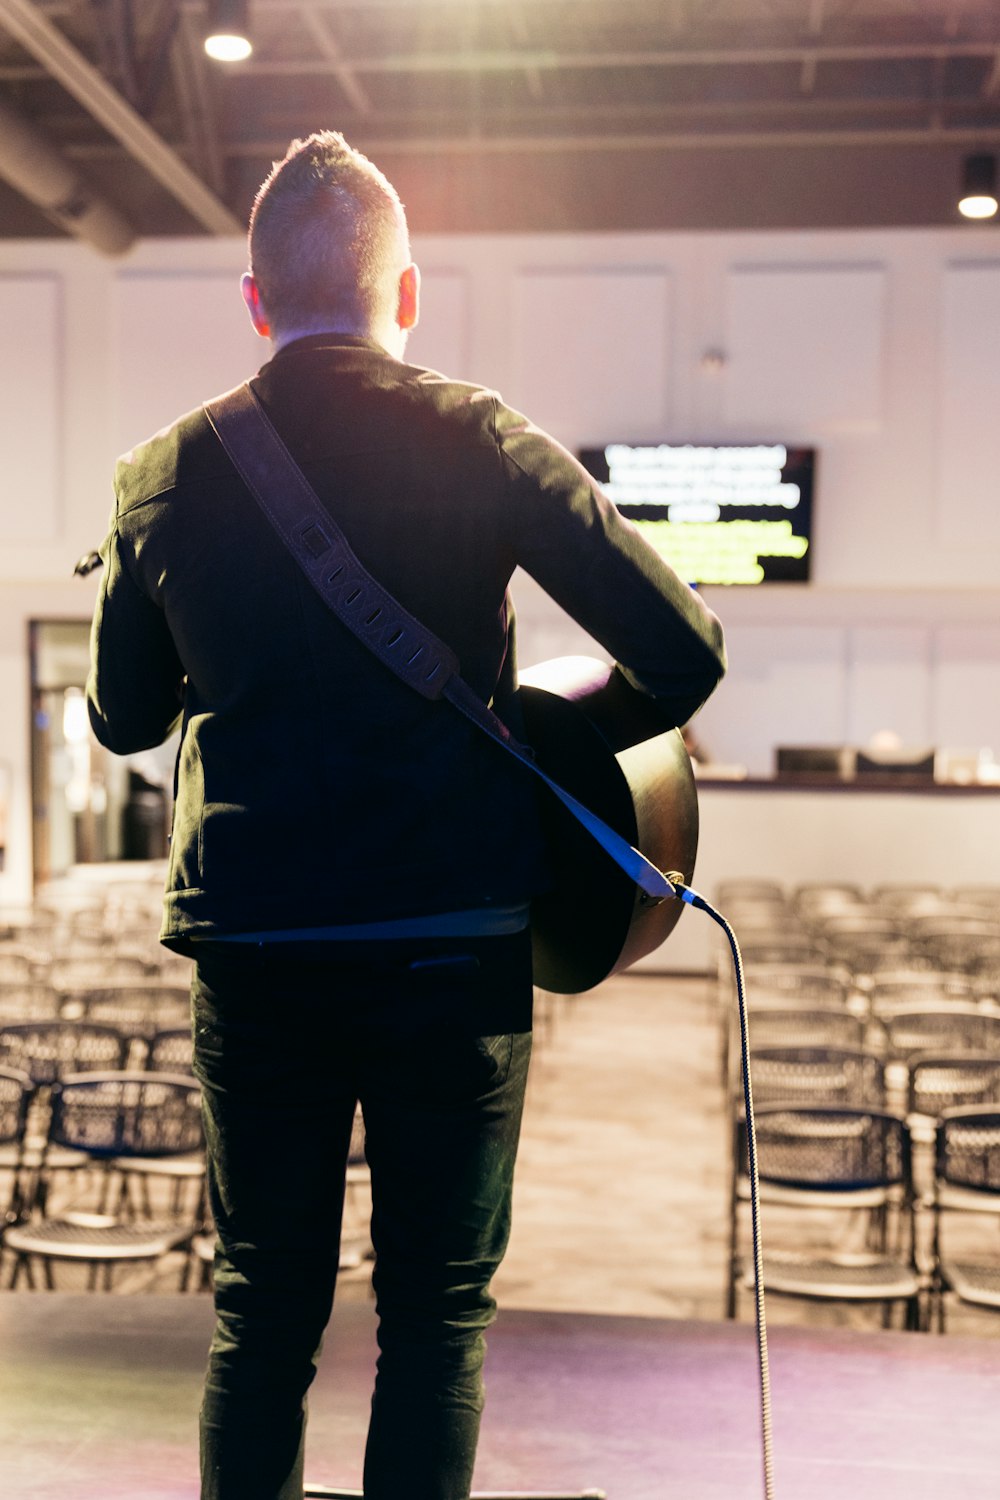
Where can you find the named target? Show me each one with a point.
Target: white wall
(879, 348)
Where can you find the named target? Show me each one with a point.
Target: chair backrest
(127, 1114)
(900, 989)
(48, 1050)
(866, 946)
(170, 1051)
(16, 1090)
(945, 1027)
(791, 948)
(817, 1075)
(813, 986)
(95, 969)
(956, 923)
(967, 1149)
(972, 946)
(837, 1149)
(776, 1026)
(16, 964)
(136, 1009)
(904, 896)
(865, 922)
(985, 897)
(28, 1001)
(952, 1080)
(814, 894)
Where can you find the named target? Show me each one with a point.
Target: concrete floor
(621, 1193)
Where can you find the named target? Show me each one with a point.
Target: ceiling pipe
(32, 166)
(80, 78)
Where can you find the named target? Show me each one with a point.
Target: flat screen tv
(719, 513)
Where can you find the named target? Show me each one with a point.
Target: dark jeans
(434, 1039)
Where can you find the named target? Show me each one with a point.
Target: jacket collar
(328, 341)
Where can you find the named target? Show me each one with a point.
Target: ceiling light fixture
(227, 34)
(979, 187)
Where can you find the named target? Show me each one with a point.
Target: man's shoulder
(179, 453)
(444, 398)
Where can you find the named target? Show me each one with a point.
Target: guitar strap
(373, 615)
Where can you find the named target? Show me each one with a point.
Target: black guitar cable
(692, 898)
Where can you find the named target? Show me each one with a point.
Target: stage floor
(99, 1395)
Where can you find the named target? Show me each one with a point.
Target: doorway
(88, 806)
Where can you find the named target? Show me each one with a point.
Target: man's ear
(251, 296)
(408, 307)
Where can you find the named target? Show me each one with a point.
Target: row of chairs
(875, 1070)
(914, 927)
(842, 1204)
(102, 1157)
(138, 1007)
(100, 1119)
(896, 1021)
(61, 967)
(105, 1133)
(922, 1086)
(94, 955)
(49, 1050)
(88, 936)
(886, 896)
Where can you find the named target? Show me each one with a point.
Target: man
(351, 865)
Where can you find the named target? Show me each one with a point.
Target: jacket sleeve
(595, 564)
(136, 684)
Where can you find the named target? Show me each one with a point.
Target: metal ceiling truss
(96, 79)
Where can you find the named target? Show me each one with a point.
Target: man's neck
(393, 341)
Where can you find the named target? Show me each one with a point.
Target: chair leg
(939, 1297)
(732, 1288)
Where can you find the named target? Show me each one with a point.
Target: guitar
(605, 743)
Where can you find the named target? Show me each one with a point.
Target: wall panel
(783, 688)
(805, 348)
(965, 688)
(181, 338)
(31, 413)
(591, 352)
(968, 510)
(889, 684)
(442, 338)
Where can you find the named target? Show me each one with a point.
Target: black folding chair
(825, 1172)
(111, 1117)
(966, 1193)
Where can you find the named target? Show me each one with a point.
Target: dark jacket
(313, 787)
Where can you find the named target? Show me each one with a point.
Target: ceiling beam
(39, 173)
(647, 140)
(189, 68)
(328, 45)
(71, 69)
(547, 59)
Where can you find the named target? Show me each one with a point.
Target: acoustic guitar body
(604, 743)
